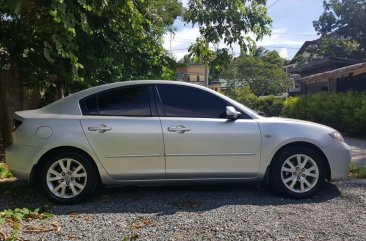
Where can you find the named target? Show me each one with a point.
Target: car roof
(70, 104)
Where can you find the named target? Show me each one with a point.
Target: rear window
(125, 101)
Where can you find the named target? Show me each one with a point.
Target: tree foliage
(67, 44)
(221, 61)
(346, 19)
(226, 21)
(262, 71)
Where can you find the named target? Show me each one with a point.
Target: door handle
(179, 129)
(100, 128)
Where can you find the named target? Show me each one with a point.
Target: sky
(292, 26)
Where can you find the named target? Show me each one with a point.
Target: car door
(123, 129)
(200, 142)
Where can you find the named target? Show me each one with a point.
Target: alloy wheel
(300, 173)
(66, 178)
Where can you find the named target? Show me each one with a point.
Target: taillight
(16, 124)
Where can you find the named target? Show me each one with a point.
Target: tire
(299, 180)
(68, 177)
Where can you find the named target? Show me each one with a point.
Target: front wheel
(68, 177)
(298, 173)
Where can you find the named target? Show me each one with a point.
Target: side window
(126, 101)
(184, 101)
(90, 106)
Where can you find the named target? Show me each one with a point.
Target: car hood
(290, 121)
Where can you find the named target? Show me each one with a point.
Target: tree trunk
(11, 100)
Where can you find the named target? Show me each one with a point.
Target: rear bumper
(20, 160)
(339, 158)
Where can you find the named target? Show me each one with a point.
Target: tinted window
(182, 101)
(91, 106)
(127, 101)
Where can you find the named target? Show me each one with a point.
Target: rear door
(200, 142)
(123, 129)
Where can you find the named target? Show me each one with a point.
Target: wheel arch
(44, 157)
(303, 144)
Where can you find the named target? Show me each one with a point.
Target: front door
(200, 142)
(124, 134)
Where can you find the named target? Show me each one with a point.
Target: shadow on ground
(162, 200)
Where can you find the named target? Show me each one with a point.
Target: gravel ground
(230, 212)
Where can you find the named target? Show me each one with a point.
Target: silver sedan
(156, 132)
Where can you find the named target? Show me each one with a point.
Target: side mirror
(231, 113)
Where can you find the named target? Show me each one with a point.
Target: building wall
(215, 87)
(314, 87)
(194, 73)
(356, 83)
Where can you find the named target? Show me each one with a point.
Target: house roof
(305, 45)
(320, 63)
(352, 70)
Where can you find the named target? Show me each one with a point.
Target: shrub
(245, 96)
(345, 112)
(271, 106)
(4, 171)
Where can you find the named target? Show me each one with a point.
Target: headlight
(336, 135)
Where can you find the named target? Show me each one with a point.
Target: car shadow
(160, 200)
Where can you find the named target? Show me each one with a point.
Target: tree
(220, 62)
(64, 45)
(344, 18)
(261, 70)
(227, 21)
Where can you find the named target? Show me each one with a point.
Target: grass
(4, 171)
(357, 171)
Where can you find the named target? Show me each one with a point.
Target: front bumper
(20, 160)
(339, 158)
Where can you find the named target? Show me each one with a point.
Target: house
(351, 77)
(194, 73)
(215, 85)
(300, 73)
(308, 46)
(330, 74)
(303, 51)
(321, 65)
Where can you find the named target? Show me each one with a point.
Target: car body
(143, 132)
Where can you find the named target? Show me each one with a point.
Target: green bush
(4, 171)
(271, 106)
(245, 96)
(345, 112)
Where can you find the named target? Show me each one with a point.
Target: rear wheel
(298, 172)
(68, 177)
